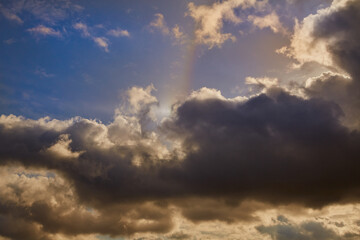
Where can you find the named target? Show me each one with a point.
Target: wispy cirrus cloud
(159, 24)
(102, 42)
(10, 15)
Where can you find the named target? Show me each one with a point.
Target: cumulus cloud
(268, 21)
(209, 20)
(326, 37)
(213, 158)
(330, 37)
(339, 88)
(44, 31)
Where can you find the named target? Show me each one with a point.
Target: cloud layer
(212, 159)
(276, 149)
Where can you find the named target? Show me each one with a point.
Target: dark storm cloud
(342, 27)
(274, 149)
(339, 30)
(282, 148)
(337, 88)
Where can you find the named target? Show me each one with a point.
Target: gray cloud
(280, 149)
(341, 26)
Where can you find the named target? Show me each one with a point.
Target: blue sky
(66, 73)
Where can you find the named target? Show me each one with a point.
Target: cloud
(331, 37)
(213, 159)
(309, 230)
(261, 84)
(160, 24)
(50, 12)
(175, 33)
(83, 28)
(8, 14)
(268, 21)
(41, 72)
(209, 19)
(102, 42)
(326, 36)
(44, 31)
(118, 33)
(339, 88)
(179, 36)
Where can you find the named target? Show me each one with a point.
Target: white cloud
(160, 24)
(209, 19)
(45, 31)
(102, 42)
(264, 82)
(271, 21)
(304, 47)
(175, 33)
(62, 148)
(118, 33)
(83, 28)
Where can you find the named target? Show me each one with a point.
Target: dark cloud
(341, 26)
(340, 89)
(280, 149)
(339, 30)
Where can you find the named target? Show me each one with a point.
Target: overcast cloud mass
(253, 134)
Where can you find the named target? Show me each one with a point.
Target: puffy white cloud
(306, 46)
(209, 20)
(268, 21)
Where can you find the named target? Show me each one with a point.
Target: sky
(191, 119)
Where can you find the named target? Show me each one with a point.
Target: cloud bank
(212, 159)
